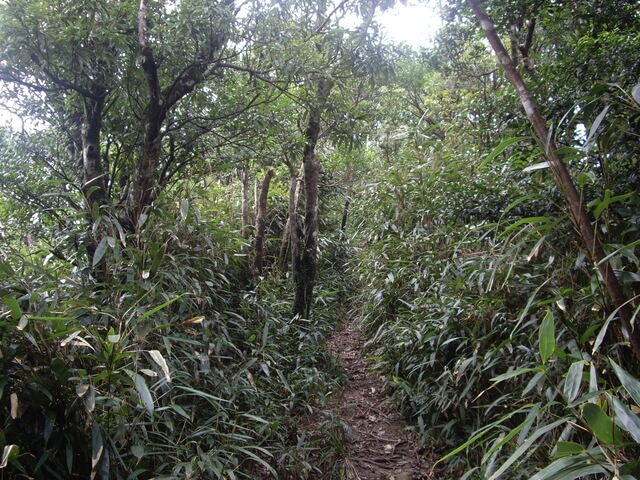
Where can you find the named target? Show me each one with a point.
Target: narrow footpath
(379, 445)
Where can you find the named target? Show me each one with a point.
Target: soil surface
(380, 447)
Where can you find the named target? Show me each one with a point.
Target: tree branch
(319, 29)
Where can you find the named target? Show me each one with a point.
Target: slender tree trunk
(345, 213)
(261, 227)
(305, 266)
(246, 220)
(93, 181)
(93, 175)
(290, 231)
(144, 184)
(256, 197)
(561, 174)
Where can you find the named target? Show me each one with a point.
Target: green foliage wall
(480, 305)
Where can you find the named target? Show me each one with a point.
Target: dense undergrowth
(153, 351)
(171, 366)
(495, 331)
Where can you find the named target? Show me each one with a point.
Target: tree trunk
(93, 176)
(578, 213)
(345, 213)
(246, 220)
(289, 246)
(305, 267)
(93, 181)
(261, 228)
(144, 184)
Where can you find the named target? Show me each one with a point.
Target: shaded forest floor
(379, 446)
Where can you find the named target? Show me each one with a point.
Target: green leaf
(603, 204)
(526, 445)
(259, 458)
(101, 249)
(97, 449)
(143, 391)
(631, 468)
(14, 307)
(482, 432)
(630, 384)
(162, 363)
(601, 424)
(69, 457)
(500, 148)
(573, 381)
(593, 378)
(515, 203)
(199, 393)
(90, 399)
(545, 221)
(596, 124)
(49, 423)
(157, 253)
(6, 269)
(626, 419)
(160, 307)
(536, 380)
(603, 331)
(516, 373)
(95, 206)
(113, 337)
(9, 454)
(547, 337)
(624, 248)
(536, 166)
(564, 449)
(265, 334)
(522, 429)
(138, 451)
(573, 466)
(635, 93)
(584, 177)
(184, 210)
(180, 411)
(627, 277)
(61, 370)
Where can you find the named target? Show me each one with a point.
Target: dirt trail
(380, 447)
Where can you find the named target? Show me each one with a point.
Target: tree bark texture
(246, 220)
(93, 181)
(143, 185)
(261, 227)
(578, 213)
(305, 265)
(289, 247)
(345, 213)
